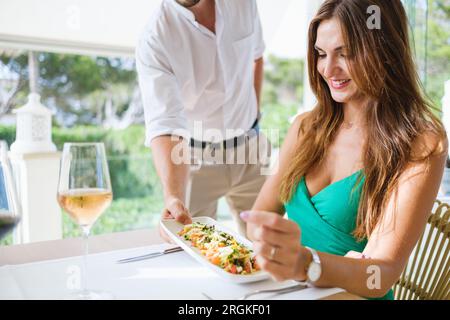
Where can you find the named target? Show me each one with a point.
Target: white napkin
(9, 288)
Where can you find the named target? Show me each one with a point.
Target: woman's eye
(322, 55)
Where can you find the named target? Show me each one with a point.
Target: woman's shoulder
(430, 143)
(299, 120)
(294, 134)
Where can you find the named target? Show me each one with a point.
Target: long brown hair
(381, 64)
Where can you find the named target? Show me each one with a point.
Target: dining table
(52, 270)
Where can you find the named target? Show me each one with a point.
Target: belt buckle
(215, 145)
(213, 153)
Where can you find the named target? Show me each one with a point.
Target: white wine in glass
(85, 206)
(84, 192)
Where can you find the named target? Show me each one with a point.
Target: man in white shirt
(200, 69)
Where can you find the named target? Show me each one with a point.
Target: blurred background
(82, 56)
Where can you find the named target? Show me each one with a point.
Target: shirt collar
(188, 13)
(182, 10)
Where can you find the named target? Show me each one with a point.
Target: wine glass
(84, 192)
(9, 205)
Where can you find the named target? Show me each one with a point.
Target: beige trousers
(237, 179)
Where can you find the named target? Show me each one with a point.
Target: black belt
(230, 143)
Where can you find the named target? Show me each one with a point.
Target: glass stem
(84, 279)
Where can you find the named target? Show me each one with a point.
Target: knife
(151, 255)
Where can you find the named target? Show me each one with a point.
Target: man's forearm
(258, 70)
(173, 176)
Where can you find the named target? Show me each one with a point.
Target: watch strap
(315, 255)
(316, 261)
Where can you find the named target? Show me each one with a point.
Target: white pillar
(35, 163)
(37, 182)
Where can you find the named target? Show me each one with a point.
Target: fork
(293, 288)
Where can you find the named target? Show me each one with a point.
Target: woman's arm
(268, 199)
(406, 215)
(389, 246)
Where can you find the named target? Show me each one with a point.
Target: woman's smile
(339, 84)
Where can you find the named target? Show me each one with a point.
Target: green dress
(328, 218)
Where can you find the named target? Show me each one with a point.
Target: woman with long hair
(358, 175)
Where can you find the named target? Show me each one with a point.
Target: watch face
(314, 271)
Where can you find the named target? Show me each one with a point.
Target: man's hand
(175, 209)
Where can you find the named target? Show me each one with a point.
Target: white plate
(172, 228)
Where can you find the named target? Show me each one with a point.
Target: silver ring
(272, 253)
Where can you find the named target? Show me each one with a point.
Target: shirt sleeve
(161, 96)
(259, 38)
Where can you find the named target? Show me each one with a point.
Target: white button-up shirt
(193, 80)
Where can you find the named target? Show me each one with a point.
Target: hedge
(137, 192)
(130, 162)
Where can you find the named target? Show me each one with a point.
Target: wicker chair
(427, 273)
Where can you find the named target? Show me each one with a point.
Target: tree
(14, 79)
(438, 53)
(78, 88)
(431, 39)
(283, 80)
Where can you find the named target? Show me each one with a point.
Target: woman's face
(332, 61)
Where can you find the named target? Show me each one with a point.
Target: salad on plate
(220, 248)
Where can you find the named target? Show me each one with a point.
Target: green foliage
(431, 41)
(130, 162)
(137, 193)
(283, 80)
(438, 52)
(78, 134)
(80, 75)
(8, 134)
(122, 215)
(67, 82)
(6, 241)
(277, 117)
(15, 64)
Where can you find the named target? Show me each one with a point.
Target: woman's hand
(276, 241)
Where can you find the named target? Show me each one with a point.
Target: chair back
(427, 273)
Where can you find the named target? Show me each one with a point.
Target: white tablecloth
(175, 276)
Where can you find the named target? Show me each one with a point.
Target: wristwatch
(314, 270)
